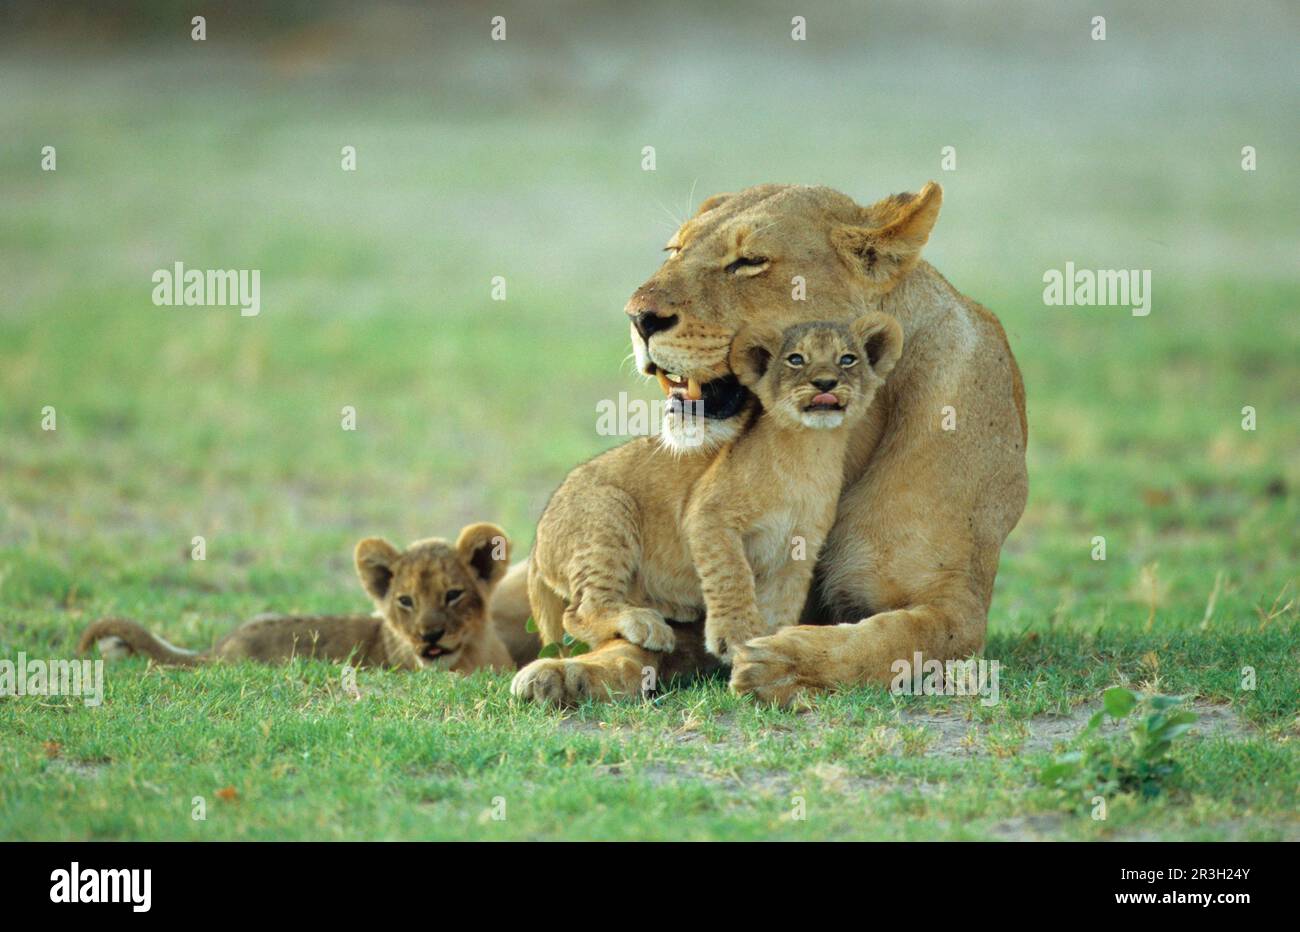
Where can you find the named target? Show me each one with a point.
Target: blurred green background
(522, 159)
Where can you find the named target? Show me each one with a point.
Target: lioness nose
(825, 385)
(433, 637)
(649, 322)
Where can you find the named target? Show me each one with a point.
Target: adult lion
(935, 476)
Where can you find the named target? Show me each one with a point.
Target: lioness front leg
(815, 657)
(615, 669)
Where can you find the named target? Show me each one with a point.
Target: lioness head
(755, 256)
(435, 593)
(820, 374)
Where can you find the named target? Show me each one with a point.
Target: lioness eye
(454, 594)
(847, 360)
(405, 601)
(745, 261)
(795, 360)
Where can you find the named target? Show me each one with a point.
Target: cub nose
(825, 385)
(649, 322)
(433, 637)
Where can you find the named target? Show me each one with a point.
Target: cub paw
(549, 681)
(646, 627)
(724, 636)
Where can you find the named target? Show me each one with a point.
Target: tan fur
(509, 612)
(909, 564)
(641, 534)
(415, 627)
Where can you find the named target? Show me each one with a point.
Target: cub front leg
(727, 583)
(782, 594)
(601, 572)
(594, 623)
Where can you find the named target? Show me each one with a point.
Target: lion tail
(121, 637)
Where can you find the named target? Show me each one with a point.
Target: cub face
(820, 374)
(435, 593)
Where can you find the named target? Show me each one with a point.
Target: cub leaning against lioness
(432, 612)
(644, 532)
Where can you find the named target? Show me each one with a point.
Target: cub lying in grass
(432, 612)
(641, 533)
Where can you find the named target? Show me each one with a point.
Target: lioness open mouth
(671, 383)
(433, 651)
(719, 399)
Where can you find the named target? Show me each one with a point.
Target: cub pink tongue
(825, 398)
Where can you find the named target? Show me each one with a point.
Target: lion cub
(432, 612)
(641, 533)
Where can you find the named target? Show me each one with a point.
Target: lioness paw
(646, 627)
(768, 668)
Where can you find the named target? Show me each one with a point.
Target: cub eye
(795, 360)
(847, 360)
(746, 262)
(405, 601)
(453, 595)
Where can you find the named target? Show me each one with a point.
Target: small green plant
(568, 646)
(1142, 765)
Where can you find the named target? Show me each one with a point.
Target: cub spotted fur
(432, 612)
(643, 533)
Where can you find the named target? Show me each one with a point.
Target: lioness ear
(709, 203)
(752, 350)
(881, 339)
(485, 549)
(888, 245)
(375, 558)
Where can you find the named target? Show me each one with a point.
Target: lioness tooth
(693, 390)
(664, 383)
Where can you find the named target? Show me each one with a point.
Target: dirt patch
(954, 736)
(82, 769)
(1040, 827)
(941, 734)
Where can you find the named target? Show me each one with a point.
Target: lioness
(641, 532)
(935, 473)
(432, 612)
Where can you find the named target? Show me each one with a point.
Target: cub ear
(375, 558)
(881, 339)
(485, 549)
(888, 243)
(752, 350)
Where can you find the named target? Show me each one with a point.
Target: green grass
(177, 422)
